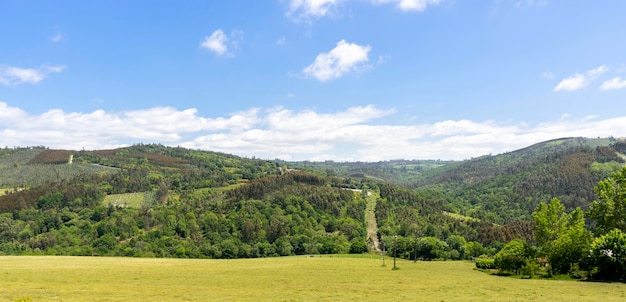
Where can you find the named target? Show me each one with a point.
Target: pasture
(132, 200)
(298, 278)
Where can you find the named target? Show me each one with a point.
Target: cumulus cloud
(614, 84)
(302, 10)
(216, 42)
(409, 5)
(355, 133)
(222, 44)
(342, 59)
(12, 76)
(578, 81)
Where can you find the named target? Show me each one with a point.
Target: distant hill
(157, 201)
(508, 186)
(401, 172)
(24, 167)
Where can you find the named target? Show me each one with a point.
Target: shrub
(608, 255)
(512, 256)
(530, 268)
(485, 263)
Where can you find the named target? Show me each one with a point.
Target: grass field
(132, 200)
(275, 279)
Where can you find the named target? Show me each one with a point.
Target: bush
(530, 268)
(485, 263)
(608, 255)
(513, 256)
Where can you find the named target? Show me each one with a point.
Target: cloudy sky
(312, 79)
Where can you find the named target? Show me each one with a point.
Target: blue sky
(312, 79)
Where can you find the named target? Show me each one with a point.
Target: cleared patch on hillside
(52, 157)
(461, 217)
(130, 200)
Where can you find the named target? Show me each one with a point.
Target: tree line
(568, 245)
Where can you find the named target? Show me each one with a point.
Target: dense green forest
(508, 187)
(203, 205)
(190, 203)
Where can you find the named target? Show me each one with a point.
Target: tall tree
(562, 237)
(549, 222)
(609, 211)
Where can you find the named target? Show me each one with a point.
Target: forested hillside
(22, 167)
(201, 204)
(400, 172)
(152, 200)
(508, 187)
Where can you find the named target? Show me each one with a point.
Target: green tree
(456, 243)
(608, 255)
(513, 256)
(562, 237)
(609, 211)
(571, 245)
(429, 248)
(474, 249)
(549, 222)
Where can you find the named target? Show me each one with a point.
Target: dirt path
(370, 219)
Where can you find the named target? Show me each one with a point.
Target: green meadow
(132, 200)
(299, 278)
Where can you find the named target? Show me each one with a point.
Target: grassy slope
(132, 200)
(275, 279)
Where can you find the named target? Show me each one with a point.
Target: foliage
(196, 204)
(608, 255)
(26, 167)
(294, 213)
(399, 172)
(609, 211)
(507, 187)
(485, 263)
(513, 256)
(562, 237)
(431, 248)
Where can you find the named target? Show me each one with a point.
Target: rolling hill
(152, 200)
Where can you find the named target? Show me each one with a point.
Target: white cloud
(614, 84)
(342, 59)
(352, 134)
(216, 42)
(302, 10)
(56, 38)
(409, 5)
(578, 81)
(222, 44)
(10, 75)
(594, 73)
(574, 82)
